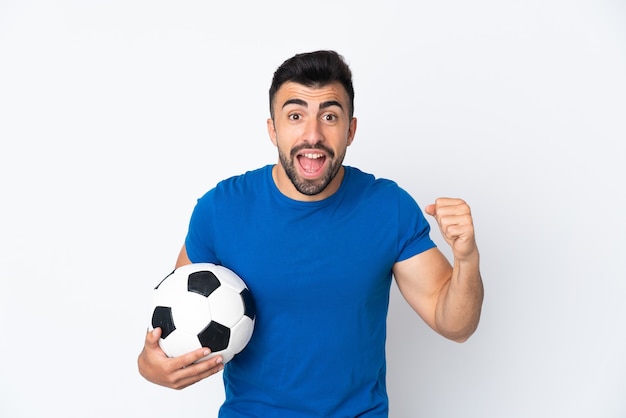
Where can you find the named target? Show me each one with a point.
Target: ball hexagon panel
(241, 333)
(171, 285)
(226, 306)
(191, 312)
(229, 278)
(179, 343)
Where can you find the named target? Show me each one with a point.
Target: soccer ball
(203, 305)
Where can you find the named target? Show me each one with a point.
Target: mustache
(295, 150)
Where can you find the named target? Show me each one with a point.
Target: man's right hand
(177, 372)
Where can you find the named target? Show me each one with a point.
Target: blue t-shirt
(320, 275)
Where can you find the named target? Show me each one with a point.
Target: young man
(317, 244)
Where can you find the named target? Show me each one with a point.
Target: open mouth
(311, 163)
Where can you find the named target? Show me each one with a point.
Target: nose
(313, 131)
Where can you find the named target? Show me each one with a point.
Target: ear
(271, 130)
(351, 130)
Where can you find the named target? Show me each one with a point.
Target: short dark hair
(314, 69)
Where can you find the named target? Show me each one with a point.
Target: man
(317, 244)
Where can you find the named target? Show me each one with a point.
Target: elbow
(460, 336)
(459, 331)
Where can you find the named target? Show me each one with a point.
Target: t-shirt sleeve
(199, 241)
(413, 228)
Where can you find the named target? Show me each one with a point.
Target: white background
(115, 116)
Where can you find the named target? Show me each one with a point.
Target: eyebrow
(303, 103)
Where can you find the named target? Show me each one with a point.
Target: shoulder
(373, 186)
(248, 179)
(240, 184)
(233, 189)
(356, 177)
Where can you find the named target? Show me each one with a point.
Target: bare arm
(448, 298)
(182, 259)
(178, 372)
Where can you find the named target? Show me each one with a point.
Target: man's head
(311, 124)
(314, 69)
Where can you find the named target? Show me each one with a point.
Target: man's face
(311, 129)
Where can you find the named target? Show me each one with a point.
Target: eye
(294, 116)
(329, 117)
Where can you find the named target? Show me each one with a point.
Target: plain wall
(116, 116)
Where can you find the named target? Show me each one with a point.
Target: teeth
(313, 156)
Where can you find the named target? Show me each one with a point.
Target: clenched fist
(454, 218)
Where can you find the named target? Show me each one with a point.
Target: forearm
(460, 301)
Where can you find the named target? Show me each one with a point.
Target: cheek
(339, 138)
(287, 135)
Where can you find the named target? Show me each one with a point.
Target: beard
(305, 186)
